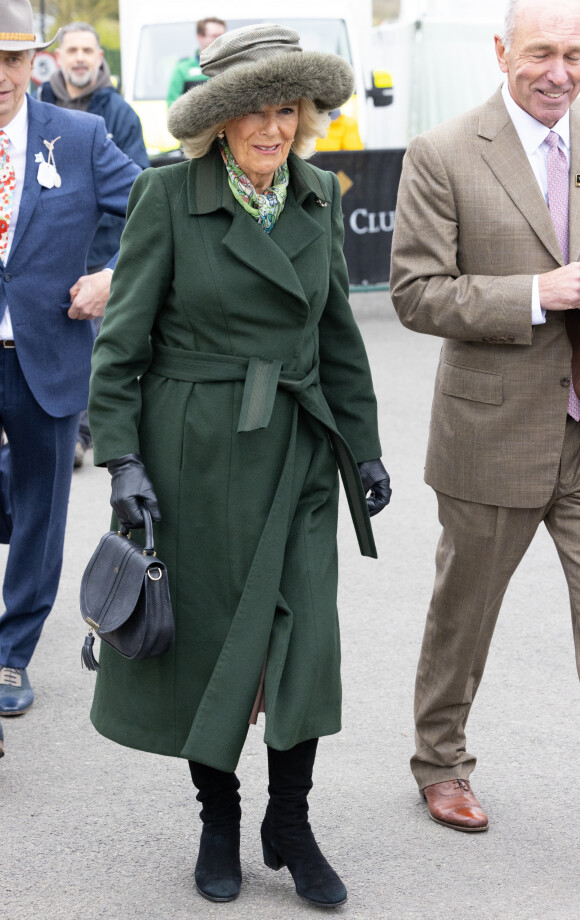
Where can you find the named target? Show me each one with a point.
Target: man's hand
(89, 295)
(560, 289)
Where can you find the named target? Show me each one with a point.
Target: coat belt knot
(261, 378)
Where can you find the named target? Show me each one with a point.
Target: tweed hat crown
(249, 43)
(17, 27)
(254, 66)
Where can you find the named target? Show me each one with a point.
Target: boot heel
(271, 858)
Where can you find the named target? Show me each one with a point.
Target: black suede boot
(218, 875)
(287, 838)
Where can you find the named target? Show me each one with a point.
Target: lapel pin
(324, 204)
(47, 174)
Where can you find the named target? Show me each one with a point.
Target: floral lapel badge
(47, 174)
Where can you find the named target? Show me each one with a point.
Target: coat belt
(262, 378)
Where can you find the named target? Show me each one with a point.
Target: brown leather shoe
(454, 805)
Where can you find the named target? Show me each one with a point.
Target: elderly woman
(230, 380)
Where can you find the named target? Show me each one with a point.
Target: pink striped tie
(558, 192)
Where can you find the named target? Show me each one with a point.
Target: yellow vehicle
(154, 36)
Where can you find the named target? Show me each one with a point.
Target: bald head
(567, 10)
(539, 52)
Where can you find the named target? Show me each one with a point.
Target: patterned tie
(7, 186)
(558, 193)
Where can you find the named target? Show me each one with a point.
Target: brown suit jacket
(472, 229)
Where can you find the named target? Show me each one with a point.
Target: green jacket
(185, 74)
(230, 359)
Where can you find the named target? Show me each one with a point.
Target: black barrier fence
(369, 180)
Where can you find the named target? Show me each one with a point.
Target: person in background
(229, 381)
(59, 173)
(343, 133)
(486, 254)
(188, 72)
(83, 82)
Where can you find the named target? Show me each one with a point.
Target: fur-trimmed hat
(17, 27)
(255, 66)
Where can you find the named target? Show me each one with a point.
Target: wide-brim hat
(17, 27)
(255, 66)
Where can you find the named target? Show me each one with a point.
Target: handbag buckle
(154, 577)
(92, 624)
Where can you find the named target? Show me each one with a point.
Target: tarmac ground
(91, 830)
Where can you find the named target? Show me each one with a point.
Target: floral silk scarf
(265, 208)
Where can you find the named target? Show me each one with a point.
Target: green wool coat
(230, 360)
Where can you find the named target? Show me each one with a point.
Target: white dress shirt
(17, 133)
(532, 135)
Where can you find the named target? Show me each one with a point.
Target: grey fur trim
(325, 78)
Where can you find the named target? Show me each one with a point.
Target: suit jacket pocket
(467, 383)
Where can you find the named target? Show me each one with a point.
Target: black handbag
(125, 598)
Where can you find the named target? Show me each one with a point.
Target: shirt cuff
(538, 312)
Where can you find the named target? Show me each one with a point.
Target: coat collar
(208, 188)
(271, 255)
(508, 161)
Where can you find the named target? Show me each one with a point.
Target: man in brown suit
(485, 254)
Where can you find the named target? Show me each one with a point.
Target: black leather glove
(375, 480)
(131, 489)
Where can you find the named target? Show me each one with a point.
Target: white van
(155, 35)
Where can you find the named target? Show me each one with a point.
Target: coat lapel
(295, 235)
(574, 189)
(507, 159)
(270, 255)
(38, 118)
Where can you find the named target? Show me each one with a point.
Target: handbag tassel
(88, 660)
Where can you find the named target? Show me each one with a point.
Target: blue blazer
(48, 254)
(124, 129)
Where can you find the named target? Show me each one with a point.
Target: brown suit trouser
(479, 550)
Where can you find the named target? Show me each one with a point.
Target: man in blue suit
(83, 82)
(58, 174)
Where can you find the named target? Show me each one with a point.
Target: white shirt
(532, 135)
(17, 133)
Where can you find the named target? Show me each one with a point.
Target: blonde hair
(312, 123)
(198, 146)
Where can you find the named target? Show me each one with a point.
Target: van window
(161, 45)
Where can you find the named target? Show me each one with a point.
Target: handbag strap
(149, 548)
